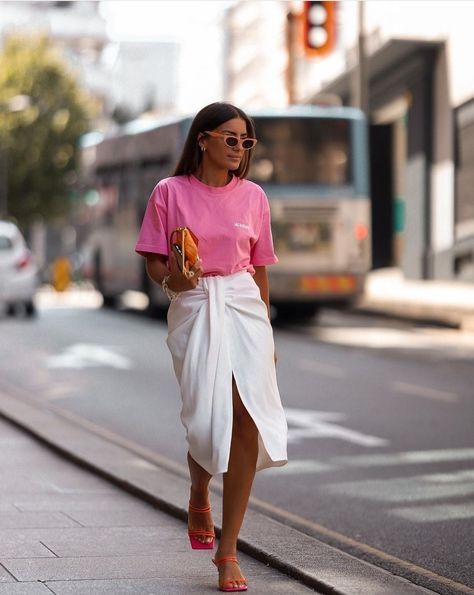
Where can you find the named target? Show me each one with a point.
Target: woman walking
(219, 333)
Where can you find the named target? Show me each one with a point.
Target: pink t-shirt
(232, 223)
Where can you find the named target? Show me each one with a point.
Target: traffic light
(319, 27)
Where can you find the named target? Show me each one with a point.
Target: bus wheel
(30, 309)
(157, 311)
(296, 311)
(108, 300)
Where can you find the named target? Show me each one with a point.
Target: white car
(19, 274)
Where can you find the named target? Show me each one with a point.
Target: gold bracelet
(170, 294)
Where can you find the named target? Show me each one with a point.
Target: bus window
(302, 151)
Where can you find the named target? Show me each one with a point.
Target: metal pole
(291, 21)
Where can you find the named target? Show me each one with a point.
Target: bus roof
(309, 111)
(141, 125)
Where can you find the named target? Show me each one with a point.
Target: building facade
(143, 77)
(76, 28)
(256, 54)
(421, 117)
(420, 111)
(126, 78)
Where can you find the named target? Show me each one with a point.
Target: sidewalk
(388, 292)
(66, 531)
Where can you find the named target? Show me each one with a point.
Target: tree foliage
(39, 142)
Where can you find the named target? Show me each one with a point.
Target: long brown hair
(209, 118)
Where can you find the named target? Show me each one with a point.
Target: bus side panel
(132, 165)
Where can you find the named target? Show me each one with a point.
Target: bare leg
(199, 497)
(237, 485)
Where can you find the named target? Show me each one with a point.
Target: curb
(300, 556)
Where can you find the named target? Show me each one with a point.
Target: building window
(464, 206)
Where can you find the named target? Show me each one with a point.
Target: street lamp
(15, 104)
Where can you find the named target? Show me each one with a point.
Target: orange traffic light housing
(319, 27)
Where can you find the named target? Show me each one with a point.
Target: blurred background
(364, 112)
(388, 186)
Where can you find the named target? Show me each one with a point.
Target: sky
(174, 20)
(194, 24)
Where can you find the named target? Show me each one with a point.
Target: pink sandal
(196, 544)
(222, 586)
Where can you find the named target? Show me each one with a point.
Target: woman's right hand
(177, 281)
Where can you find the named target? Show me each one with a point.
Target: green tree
(39, 142)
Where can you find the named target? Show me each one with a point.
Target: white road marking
(307, 423)
(298, 467)
(83, 355)
(407, 458)
(424, 391)
(438, 512)
(321, 368)
(454, 477)
(401, 489)
(419, 457)
(417, 489)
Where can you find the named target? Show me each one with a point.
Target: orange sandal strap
(226, 559)
(196, 509)
(201, 533)
(227, 581)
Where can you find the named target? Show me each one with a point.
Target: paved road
(380, 417)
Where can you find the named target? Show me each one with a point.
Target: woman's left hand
(177, 281)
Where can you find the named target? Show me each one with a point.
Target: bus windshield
(302, 151)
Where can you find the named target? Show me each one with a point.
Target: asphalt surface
(381, 444)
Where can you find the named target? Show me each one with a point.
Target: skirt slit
(217, 332)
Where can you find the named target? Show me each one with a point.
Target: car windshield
(5, 243)
(302, 151)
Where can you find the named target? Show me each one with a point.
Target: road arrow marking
(307, 423)
(84, 355)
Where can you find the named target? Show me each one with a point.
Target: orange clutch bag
(185, 247)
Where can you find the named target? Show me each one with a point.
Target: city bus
(311, 161)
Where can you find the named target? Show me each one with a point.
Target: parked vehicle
(311, 161)
(19, 274)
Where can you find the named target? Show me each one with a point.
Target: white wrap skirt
(218, 330)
